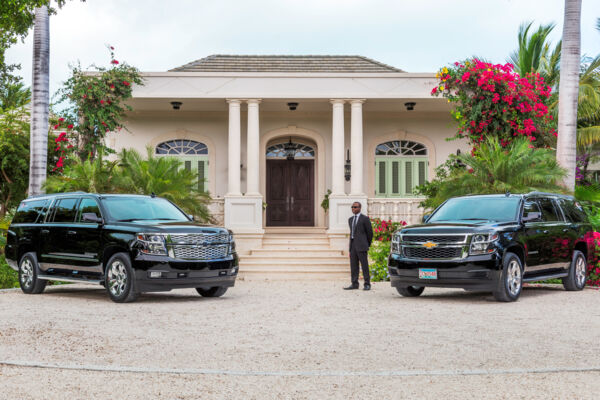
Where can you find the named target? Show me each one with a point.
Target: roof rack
(35, 196)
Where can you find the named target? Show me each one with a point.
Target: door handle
(545, 232)
(566, 230)
(44, 231)
(71, 233)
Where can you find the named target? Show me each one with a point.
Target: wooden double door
(290, 193)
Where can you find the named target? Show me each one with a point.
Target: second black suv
(495, 243)
(127, 243)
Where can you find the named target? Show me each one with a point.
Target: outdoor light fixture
(410, 105)
(290, 150)
(176, 105)
(347, 166)
(292, 106)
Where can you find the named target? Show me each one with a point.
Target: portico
(265, 161)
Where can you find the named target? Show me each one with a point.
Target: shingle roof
(282, 63)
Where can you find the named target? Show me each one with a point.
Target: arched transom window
(281, 150)
(400, 166)
(193, 154)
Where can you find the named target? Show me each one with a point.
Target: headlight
(231, 244)
(152, 243)
(396, 240)
(483, 243)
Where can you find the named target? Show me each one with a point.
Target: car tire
(216, 291)
(28, 275)
(410, 291)
(119, 279)
(577, 272)
(510, 283)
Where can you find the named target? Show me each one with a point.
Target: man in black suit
(361, 236)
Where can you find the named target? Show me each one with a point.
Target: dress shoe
(351, 287)
(367, 287)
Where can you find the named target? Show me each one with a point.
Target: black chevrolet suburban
(128, 243)
(494, 243)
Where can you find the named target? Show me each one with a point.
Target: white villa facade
(238, 115)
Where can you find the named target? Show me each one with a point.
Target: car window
(573, 210)
(549, 211)
(88, 205)
(29, 212)
(531, 206)
(65, 210)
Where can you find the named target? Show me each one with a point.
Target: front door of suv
(56, 235)
(555, 249)
(534, 237)
(85, 239)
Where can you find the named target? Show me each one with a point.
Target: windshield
(477, 209)
(128, 209)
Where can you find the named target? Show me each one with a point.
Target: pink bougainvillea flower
(114, 62)
(70, 126)
(125, 83)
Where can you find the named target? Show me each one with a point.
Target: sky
(416, 36)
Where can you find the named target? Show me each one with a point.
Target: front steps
(295, 253)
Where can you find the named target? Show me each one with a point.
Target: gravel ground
(299, 339)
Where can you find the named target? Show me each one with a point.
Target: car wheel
(216, 291)
(410, 291)
(28, 275)
(119, 279)
(510, 284)
(577, 272)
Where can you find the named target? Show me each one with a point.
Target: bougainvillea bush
(493, 100)
(380, 248)
(594, 262)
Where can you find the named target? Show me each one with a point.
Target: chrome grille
(436, 252)
(199, 238)
(200, 252)
(434, 239)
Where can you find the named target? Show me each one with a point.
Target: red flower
(60, 162)
(70, 126)
(101, 101)
(125, 83)
(61, 119)
(56, 126)
(114, 62)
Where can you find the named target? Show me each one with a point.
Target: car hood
(455, 227)
(171, 226)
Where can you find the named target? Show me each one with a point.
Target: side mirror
(91, 217)
(191, 217)
(425, 218)
(532, 216)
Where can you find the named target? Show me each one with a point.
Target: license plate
(427, 273)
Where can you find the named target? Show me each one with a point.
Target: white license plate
(427, 273)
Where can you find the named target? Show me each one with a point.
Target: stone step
(294, 264)
(296, 241)
(298, 252)
(296, 247)
(295, 230)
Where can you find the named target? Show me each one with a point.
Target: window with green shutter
(193, 154)
(400, 166)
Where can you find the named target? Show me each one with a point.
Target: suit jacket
(363, 233)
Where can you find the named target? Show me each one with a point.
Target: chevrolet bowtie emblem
(429, 245)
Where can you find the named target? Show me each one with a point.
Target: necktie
(354, 224)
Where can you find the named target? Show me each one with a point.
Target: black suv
(127, 243)
(494, 243)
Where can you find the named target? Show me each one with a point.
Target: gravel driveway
(299, 339)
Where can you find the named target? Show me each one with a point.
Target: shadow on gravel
(460, 295)
(93, 293)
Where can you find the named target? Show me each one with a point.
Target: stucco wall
(151, 128)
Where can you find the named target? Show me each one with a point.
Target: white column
(234, 147)
(356, 143)
(337, 149)
(253, 151)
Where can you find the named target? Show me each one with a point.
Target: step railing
(396, 209)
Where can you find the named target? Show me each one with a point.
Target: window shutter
(408, 177)
(395, 177)
(381, 178)
(422, 172)
(188, 165)
(201, 175)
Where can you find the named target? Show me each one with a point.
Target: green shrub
(380, 249)
(8, 276)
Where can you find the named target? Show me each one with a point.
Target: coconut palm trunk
(566, 151)
(39, 101)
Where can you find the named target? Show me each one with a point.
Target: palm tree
(92, 176)
(165, 177)
(568, 91)
(516, 168)
(40, 101)
(534, 52)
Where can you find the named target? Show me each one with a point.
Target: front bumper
(180, 274)
(471, 273)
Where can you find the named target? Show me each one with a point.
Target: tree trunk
(566, 150)
(39, 100)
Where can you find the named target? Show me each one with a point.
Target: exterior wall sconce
(290, 150)
(347, 166)
(176, 105)
(410, 105)
(292, 106)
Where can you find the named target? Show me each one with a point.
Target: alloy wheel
(513, 277)
(117, 278)
(580, 270)
(26, 273)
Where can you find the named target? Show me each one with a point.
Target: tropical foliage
(493, 100)
(96, 103)
(380, 248)
(494, 168)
